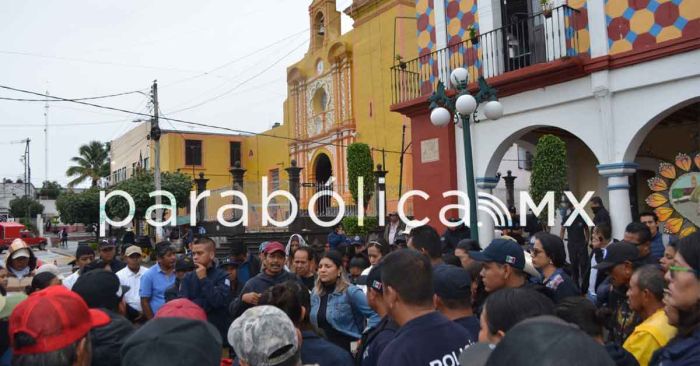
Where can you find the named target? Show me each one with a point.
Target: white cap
(49, 267)
(21, 253)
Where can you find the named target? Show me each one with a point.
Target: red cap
(55, 317)
(181, 308)
(274, 246)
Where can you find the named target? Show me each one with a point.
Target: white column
(597, 29)
(486, 224)
(440, 16)
(618, 194)
(441, 41)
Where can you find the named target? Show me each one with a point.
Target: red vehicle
(10, 231)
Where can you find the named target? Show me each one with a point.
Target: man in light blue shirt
(157, 279)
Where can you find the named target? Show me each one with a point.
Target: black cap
(452, 282)
(83, 249)
(374, 278)
(106, 244)
(617, 253)
(173, 341)
(558, 343)
(502, 251)
(229, 262)
(99, 288)
(184, 264)
(399, 239)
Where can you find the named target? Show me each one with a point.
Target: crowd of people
(402, 297)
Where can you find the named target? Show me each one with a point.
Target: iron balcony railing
(535, 39)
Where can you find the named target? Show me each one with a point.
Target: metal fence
(279, 207)
(533, 40)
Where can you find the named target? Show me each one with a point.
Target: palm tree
(92, 163)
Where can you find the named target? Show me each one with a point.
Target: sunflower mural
(676, 195)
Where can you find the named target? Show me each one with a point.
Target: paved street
(58, 256)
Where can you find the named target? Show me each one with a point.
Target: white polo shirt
(69, 281)
(133, 280)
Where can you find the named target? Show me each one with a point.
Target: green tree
(92, 163)
(80, 208)
(360, 164)
(50, 189)
(19, 206)
(549, 169)
(352, 228)
(141, 184)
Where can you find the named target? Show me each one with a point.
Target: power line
(243, 132)
(266, 47)
(69, 124)
(72, 59)
(72, 99)
(242, 82)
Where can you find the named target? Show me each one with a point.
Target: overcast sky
(199, 51)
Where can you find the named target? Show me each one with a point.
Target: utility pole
(404, 148)
(46, 138)
(27, 179)
(155, 137)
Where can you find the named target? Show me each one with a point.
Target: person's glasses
(536, 252)
(674, 269)
(375, 243)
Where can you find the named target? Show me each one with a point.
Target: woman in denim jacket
(339, 308)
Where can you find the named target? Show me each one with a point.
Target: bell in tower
(325, 22)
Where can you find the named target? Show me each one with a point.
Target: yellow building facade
(340, 93)
(183, 150)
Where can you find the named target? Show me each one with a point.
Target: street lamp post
(465, 106)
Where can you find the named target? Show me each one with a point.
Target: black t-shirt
(602, 216)
(309, 282)
(576, 229)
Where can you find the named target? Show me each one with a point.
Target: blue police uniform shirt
(430, 340)
(472, 325)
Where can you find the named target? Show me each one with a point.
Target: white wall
(638, 95)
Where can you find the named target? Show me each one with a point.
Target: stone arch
(294, 75)
(338, 51)
(497, 154)
(315, 159)
(642, 133)
(319, 102)
(318, 30)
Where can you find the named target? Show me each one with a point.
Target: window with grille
(235, 151)
(193, 152)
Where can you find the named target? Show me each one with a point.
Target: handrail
(536, 39)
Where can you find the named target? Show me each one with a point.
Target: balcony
(537, 39)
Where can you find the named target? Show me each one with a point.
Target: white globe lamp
(465, 104)
(458, 77)
(440, 117)
(493, 110)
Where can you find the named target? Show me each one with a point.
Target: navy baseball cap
(229, 262)
(502, 251)
(617, 253)
(374, 278)
(451, 282)
(106, 244)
